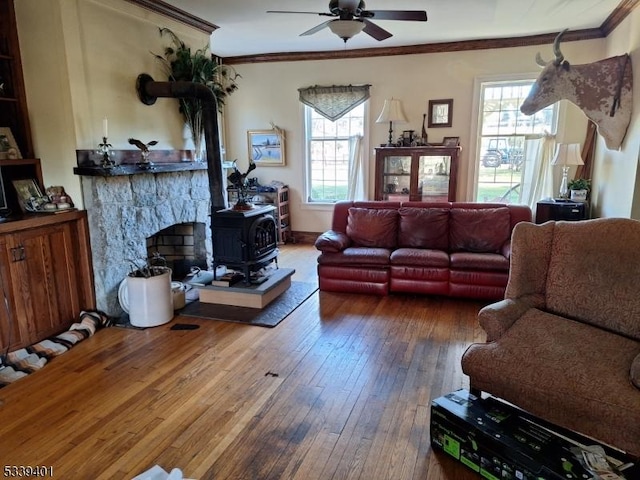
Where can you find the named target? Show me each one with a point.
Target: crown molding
(618, 15)
(464, 45)
(163, 8)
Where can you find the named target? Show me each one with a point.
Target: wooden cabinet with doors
(10, 333)
(47, 277)
(425, 174)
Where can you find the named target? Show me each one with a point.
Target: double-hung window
(502, 131)
(329, 153)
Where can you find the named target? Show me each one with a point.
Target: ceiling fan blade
(413, 15)
(375, 31)
(311, 13)
(317, 28)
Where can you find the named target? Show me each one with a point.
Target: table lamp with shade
(391, 112)
(567, 154)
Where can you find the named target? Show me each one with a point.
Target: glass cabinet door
(396, 178)
(433, 178)
(417, 174)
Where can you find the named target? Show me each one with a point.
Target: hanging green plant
(201, 67)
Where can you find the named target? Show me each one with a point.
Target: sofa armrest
(332, 241)
(498, 317)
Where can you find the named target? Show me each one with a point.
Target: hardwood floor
(341, 389)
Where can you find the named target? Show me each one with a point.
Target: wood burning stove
(244, 239)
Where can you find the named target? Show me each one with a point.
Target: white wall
(269, 93)
(616, 178)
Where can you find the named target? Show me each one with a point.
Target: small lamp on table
(391, 112)
(567, 154)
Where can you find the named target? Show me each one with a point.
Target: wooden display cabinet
(47, 277)
(13, 104)
(425, 174)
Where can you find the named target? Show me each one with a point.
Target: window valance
(334, 101)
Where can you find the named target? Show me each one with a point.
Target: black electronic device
(499, 441)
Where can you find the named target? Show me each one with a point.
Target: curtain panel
(335, 101)
(537, 175)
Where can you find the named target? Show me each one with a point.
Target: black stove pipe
(149, 90)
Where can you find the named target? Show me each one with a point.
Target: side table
(558, 209)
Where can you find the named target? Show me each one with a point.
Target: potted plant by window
(579, 189)
(201, 67)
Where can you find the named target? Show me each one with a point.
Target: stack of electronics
(500, 441)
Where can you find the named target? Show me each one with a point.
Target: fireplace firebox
(244, 240)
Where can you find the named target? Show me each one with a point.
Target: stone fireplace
(125, 209)
(182, 246)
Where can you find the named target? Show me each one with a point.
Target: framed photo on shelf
(441, 113)
(29, 195)
(266, 147)
(8, 146)
(451, 141)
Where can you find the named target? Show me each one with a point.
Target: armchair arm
(332, 241)
(496, 318)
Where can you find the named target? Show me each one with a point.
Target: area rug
(269, 316)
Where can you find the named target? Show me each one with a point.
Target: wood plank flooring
(341, 389)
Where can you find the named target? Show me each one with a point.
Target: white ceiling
(246, 29)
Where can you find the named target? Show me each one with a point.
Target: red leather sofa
(453, 248)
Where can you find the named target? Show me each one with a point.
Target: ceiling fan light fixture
(346, 29)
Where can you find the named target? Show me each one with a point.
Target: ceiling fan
(351, 18)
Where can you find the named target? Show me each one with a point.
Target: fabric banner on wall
(334, 101)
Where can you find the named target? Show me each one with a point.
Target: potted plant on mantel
(199, 67)
(579, 189)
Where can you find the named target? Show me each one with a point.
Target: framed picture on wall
(441, 113)
(266, 147)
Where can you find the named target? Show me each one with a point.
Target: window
(327, 145)
(502, 128)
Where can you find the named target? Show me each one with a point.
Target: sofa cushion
(356, 256)
(479, 230)
(635, 371)
(424, 228)
(422, 257)
(373, 227)
(479, 261)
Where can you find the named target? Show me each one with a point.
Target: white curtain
(356, 169)
(537, 174)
